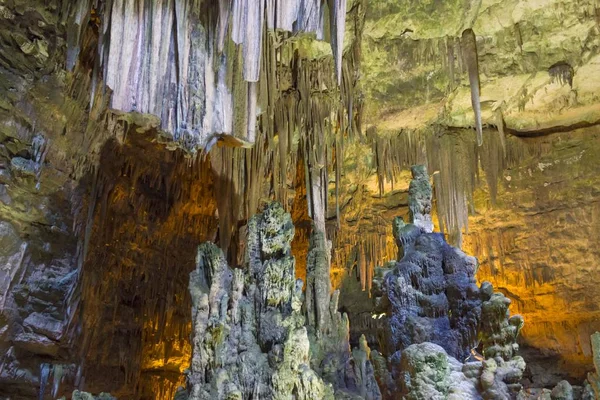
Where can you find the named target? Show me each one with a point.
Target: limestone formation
(419, 198)
(318, 286)
(469, 50)
(106, 106)
(132, 130)
(159, 58)
(249, 334)
(431, 291)
(350, 373)
(77, 395)
(437, 315)
(426, 370)
(562, 391)
(250, 338)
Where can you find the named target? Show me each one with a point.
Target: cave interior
(299, 199)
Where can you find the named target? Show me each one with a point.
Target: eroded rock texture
(249, 333)
(437, 318)
(430, 295)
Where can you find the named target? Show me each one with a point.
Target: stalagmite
(419, 198)
(270, 291)
(469, 53)
(318, 284)
(435, 316)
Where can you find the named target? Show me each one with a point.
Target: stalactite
(309, 16)
(77, 23)
(169, 59)
(396, 153)
(451, 61)
(337, 12)
(469, 53)
(253, 39)
(562, 72)
(224, 10)
(252, 100)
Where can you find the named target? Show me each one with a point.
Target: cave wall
(525, 201)
(539, 244)
(88, 192)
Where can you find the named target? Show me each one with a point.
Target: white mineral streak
(224, 7)
(223, 113)
(252, 99)
(287, 14)
(183, 57)
(318, 200)
(238, 20)
(281, 14)
(270, 13)
(310, 17)
(338, 19)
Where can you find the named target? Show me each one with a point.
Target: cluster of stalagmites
(251, 338)
(256, 335)
(446, 338)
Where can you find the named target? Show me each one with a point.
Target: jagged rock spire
(249, 334)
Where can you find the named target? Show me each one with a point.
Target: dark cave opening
(152, 209)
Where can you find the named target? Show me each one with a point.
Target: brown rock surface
(540, 246)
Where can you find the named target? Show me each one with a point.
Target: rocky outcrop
(430, 295)
(250, 335)
(437, 317)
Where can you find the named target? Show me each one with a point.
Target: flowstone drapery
(249, 333)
